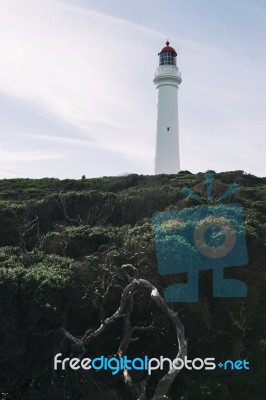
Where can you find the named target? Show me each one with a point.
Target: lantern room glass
(167, 58)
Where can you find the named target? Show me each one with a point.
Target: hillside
(61, 244)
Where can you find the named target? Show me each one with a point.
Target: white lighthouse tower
(167, 79)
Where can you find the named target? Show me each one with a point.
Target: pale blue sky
(76, 91)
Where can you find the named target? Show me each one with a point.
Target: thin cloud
(93, 73)
(125, 149)
(18, 156)
(52, 69)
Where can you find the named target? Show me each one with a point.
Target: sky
(77, 94)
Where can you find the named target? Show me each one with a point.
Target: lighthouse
(167, 79)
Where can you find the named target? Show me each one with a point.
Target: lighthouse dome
(168, 48)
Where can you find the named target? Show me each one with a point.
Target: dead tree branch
(62, 199)
(137, 389)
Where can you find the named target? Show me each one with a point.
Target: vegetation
(62, 245)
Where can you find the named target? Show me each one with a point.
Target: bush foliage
(61, 240)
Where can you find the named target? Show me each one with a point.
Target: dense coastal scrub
(63, 241)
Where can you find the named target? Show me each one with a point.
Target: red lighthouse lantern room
(167, 55)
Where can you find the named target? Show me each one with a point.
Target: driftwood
(137, 389)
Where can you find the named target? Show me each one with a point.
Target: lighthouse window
(167, 58)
